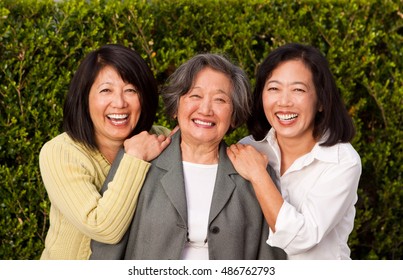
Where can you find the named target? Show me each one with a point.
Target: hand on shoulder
(247, 161)
(146, 146)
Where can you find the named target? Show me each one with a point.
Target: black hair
(131, 67)
(332, 119)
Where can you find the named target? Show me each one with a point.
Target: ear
(320, 109)
(232, 125)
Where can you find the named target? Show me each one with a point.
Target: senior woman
(193, 204)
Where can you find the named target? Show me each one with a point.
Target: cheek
(228, 114)
(186, 108)
(267, 108)
(267, 103)
(313, 105)
(95, 106)
(225, 117)
(136, 107)
(180, 114)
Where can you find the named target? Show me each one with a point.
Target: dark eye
(222, 100)
(132, 90)
(299, 90)
(194, 96)
(105, 90)
(272, 89)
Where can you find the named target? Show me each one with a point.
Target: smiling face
(114, 107)
(290, 101)
(204, 113)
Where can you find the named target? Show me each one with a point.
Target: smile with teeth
(118, 118)
(203, 123)
(286, 117)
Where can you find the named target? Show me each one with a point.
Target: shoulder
(247, 140)
(63, 144)
(259, 145)
(339, 153)
(347, 153)
(62, 139)
(158, 129)
(269, 141)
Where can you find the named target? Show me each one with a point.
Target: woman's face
(290, 102)
(204, 113)
(114, 107)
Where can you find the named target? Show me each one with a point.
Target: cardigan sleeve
(72, 180)
(158, 129)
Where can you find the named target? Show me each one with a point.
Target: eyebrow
(293, 83)
(111, 83)
(104, 83)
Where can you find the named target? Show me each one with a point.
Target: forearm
(269, 198)
(117, 206)
(72, 180)
(326, 204)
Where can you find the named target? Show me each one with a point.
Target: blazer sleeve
(267, 252)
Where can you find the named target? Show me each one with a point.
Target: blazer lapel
(224, 185)
(173, 182)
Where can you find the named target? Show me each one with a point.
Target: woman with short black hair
(111, 104)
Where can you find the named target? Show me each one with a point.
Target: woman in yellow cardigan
(112, 102)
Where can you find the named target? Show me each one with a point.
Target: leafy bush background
(42, 43)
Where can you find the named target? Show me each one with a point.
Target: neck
(292, 149)
(202, 154)
(110, 151)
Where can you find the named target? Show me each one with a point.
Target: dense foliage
(42, 42)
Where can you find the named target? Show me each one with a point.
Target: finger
(240, 146)
(161, 138)
(229, 152)
(165, 143)
(173, 131)
(236, 149)
(233, 147)
(144, 133)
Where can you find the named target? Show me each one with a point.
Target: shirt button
(215, 230)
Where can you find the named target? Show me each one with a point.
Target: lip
(286, 116)
(203, 123)
(117, 116)
(118, 119)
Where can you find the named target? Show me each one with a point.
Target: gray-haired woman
(193, 204)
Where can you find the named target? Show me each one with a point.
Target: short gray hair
(181, 81)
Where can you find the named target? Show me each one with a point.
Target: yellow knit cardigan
(73, 176)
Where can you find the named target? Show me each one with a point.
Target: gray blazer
(159, 230)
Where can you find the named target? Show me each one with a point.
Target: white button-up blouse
(319, 191)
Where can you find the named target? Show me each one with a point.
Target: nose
(205, 107)
(119, 100)
(285, 98)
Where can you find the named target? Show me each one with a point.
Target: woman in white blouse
(301, 127)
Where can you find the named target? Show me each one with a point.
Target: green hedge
(42, 43)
